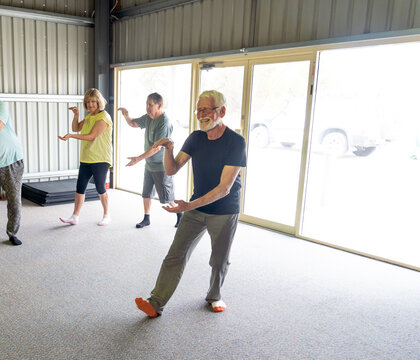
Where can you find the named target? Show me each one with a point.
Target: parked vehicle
(336, 129)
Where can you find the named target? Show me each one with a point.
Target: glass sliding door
(229, 81)
(279, 95)
(363, 178)
(173, 82)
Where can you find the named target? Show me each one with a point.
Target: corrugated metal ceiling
(220, 25)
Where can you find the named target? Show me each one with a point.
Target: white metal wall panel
(44, 58)
(69, 7)
(37, 127)
(52, 59)
(18, 55)
(38, 57)
(219, 25)
(41, 57)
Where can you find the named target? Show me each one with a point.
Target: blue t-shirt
(209, 157)
(155, 130)
(10, 149)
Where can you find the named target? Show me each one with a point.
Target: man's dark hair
(157, 98)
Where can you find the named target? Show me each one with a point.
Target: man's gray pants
(11, 182)
(192, 227)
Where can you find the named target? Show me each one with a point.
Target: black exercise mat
(55, 192)
(56, 187)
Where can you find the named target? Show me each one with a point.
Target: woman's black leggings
(86, 171)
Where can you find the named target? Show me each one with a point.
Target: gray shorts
(161, 182)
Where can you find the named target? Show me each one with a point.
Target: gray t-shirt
(155, 130)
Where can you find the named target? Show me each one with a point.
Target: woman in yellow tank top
(95, 152)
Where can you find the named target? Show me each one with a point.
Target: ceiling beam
(45, 16)
(151, 7)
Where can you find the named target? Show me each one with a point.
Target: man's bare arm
(130, 121)
(172, 165)
(1, 125)
(148, 153)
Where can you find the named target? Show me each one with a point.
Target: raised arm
(130, 121)
(172, 165)
(76, 126)
(1, 125)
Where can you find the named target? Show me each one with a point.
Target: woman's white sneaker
(105, 221)
(72, 220)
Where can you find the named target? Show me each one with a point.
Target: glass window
(364, 171)
(229, 81)
(174, 84)
(277, 119)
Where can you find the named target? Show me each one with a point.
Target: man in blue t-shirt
(11, 172)
(217, 155)
(157, 126)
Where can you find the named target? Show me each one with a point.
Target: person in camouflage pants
(11, 172)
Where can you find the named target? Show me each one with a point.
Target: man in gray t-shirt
(157, 126)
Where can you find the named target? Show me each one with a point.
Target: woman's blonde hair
(96, 95)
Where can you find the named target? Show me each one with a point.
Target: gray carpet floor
(68, 293)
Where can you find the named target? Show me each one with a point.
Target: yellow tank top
(99, 149)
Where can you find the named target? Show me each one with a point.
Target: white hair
(218, 98)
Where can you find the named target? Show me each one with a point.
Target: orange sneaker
(146, 307)
(218, 306)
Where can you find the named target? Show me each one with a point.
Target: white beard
(207, 125)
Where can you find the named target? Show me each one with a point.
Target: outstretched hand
(124, 111)
(133, 160)
(75, 110)
(181, 207)
(65, 137)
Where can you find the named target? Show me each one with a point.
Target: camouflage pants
(11, 182)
